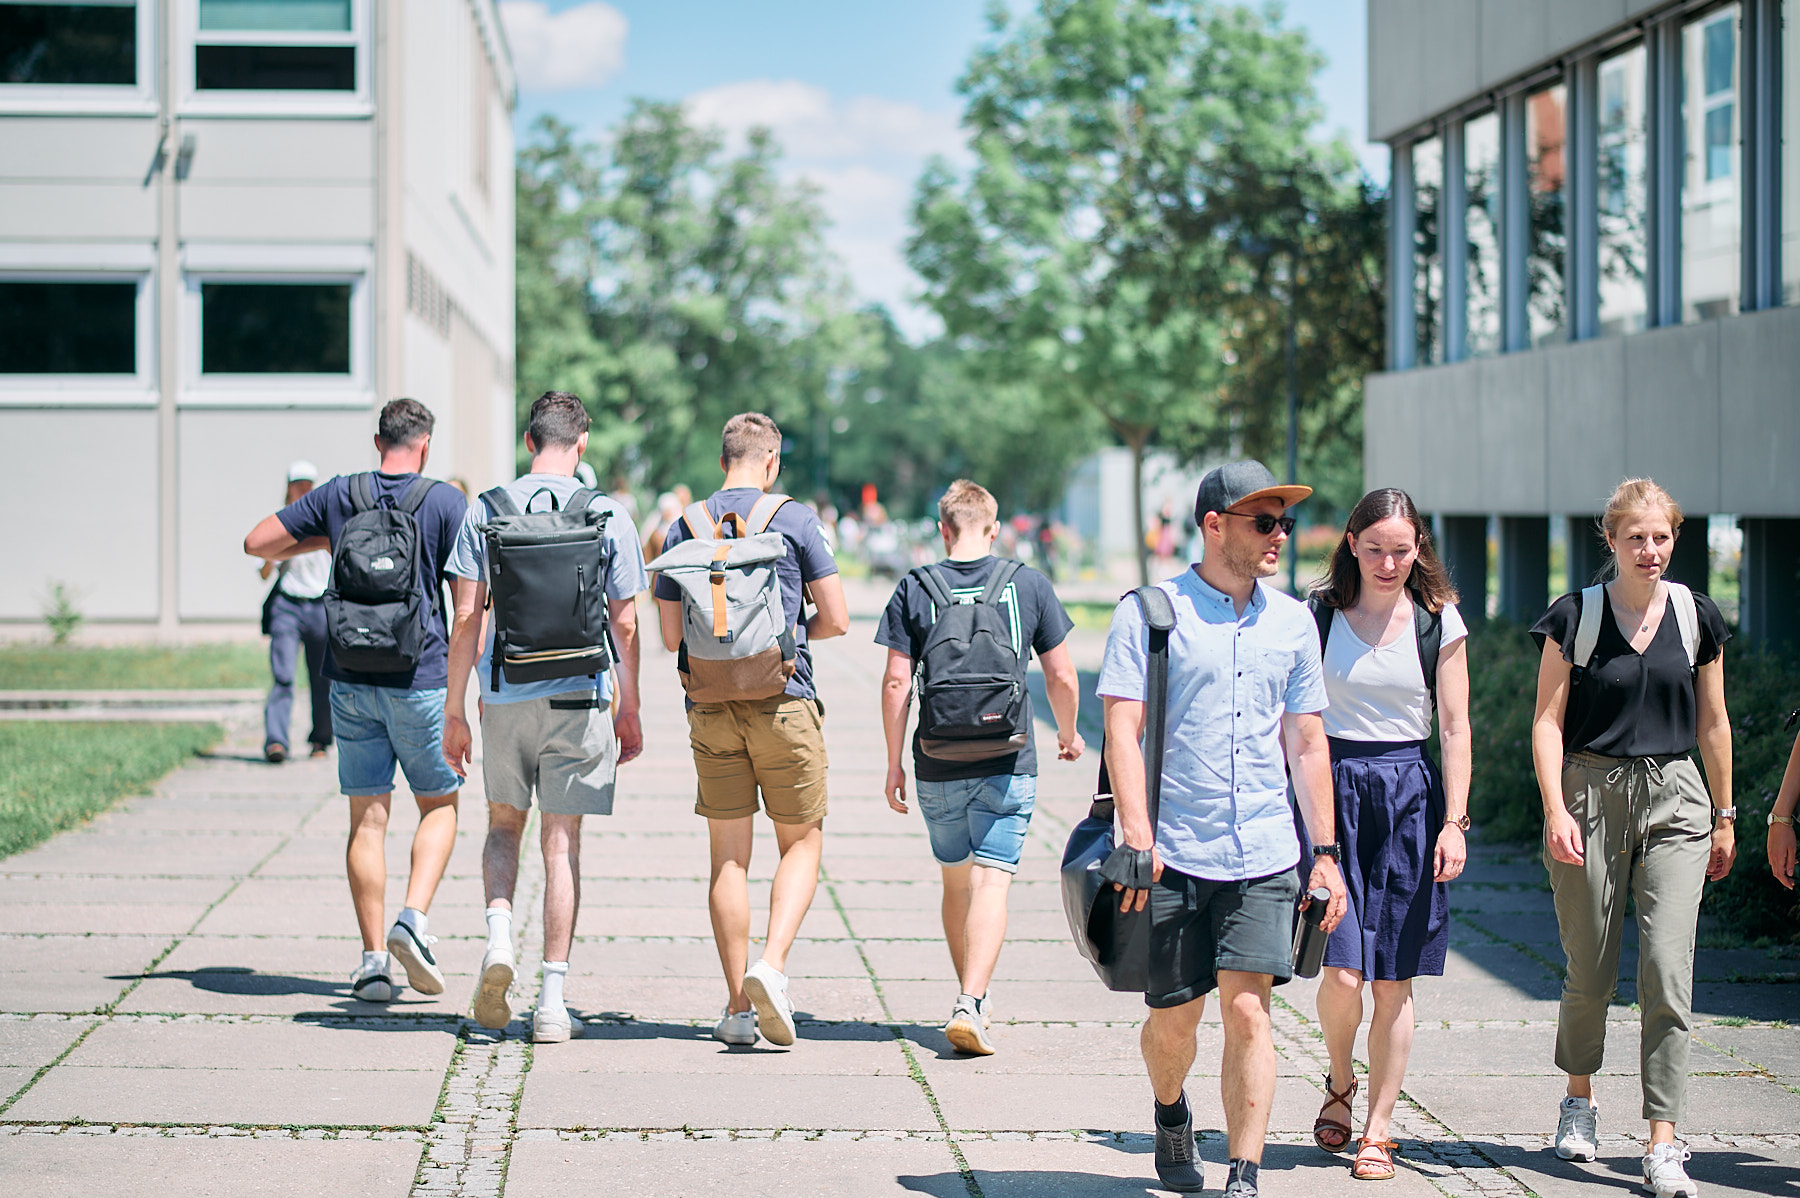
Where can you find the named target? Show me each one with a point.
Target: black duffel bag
(1117, 943)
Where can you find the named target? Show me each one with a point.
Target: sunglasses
(1265, 523)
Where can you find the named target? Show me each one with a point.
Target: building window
(480, 115)
(278, 55)
(1790, 159)
(274, 328)
(1711, 267)
(68, 327)
(1545, 164)
(1428, 254)
(1481, 230)
(80, 44)
(1623, 193)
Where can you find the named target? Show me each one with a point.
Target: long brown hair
(1429, 582)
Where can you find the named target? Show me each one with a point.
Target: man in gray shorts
(566, 737)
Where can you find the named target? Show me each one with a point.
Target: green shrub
(61, 612)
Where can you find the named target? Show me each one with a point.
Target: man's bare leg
(791, 894)
(728, 901)
(561, 839)
(365, 860)
(500, 854)
(986, 928)
(1168, 1045)
(431, 848)
(1247, 1084)
(955, 911)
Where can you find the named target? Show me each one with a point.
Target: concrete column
(1524, 567)
(1691, 563)
(1587, 551)
(1463, 542)
(1665, 162)
(1769, 608)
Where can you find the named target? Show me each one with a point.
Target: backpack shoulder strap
(415, 495)
(1004, 569)
(499, 502)
(362, 492)
(934, 586)
(1428, 632)
(763, 513)
(581, 499)
(1687, 619)
(1587, 629)
(699, 521)
(1321, 614)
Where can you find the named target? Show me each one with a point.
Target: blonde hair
(1631, 496)
(967, 506)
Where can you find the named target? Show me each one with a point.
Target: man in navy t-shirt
(381, 719)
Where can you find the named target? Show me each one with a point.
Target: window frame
(1703, 189)
(77, 263)
(95, 99)
(259, 102)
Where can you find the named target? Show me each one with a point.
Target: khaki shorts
(568, 753)
(776, 744)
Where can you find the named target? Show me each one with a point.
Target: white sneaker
(1577, 1129)
(554, 1026)
(373, 982)
(968, 1027)
(492, 1007)
(1663, 1174)
(407, 947)
(736, 1027)
(767, 989)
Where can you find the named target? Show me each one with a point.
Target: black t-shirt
(1627, 704)
(322, 511)
(1037, 620)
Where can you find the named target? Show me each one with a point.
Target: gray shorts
(567, 752)
(1198, 927)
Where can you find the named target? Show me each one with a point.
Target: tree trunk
(1138, 439)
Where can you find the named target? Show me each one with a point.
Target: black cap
(1224, 487)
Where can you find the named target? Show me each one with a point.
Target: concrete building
(1594, 272)
(229, 231)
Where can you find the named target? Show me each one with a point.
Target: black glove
(1128, 867)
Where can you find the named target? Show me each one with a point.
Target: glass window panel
(1711, 268)
(1622, 193)
(308, 16)
(1481, 229)
(68, 328)
(1428, 258)
(279, 68)
(1545, 138)
(68, 43)
(1790, 158)
(275, 328)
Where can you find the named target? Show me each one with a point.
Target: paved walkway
(174, 1018)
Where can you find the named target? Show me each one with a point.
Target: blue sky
(859, 94)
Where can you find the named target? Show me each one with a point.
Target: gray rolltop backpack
(1593, 602)
(736, 642)
(547, 581)
(970, 677)
(379, 600)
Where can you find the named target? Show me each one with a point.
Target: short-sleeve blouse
(1626, 703)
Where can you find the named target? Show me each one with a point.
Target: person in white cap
(294, 615)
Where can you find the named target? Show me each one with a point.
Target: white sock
(499, 921)
(373, 962)
(551, 996)
(415, 919)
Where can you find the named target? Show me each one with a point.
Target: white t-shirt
(1379, 693)
(307, 575)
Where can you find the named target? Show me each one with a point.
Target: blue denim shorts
(376, 726)
(982, 818)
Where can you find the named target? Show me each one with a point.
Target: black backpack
(377, 605)
(547, 582)
(970, 678)
(1428, 632)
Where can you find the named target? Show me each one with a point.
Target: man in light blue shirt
(1244, 682)
(563, 738)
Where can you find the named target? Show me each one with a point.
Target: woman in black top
(1626, 812)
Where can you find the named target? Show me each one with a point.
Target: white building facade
(230, 230)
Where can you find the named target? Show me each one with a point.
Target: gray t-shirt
(625, 575)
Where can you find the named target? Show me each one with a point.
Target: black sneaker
(1177, 1160)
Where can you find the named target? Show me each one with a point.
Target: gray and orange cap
(1224, 487)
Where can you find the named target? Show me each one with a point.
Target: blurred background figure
(294, 615)
(460, 483)
(668, 510)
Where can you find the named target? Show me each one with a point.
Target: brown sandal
(1376, 1167)
(1329, 1134)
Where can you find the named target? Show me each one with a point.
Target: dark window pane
(68, 43)
(281, 68)
(68, 328)
(1721, 48)
(275, 328)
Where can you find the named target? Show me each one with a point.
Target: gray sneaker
(1664, 1175)
(968, 1027)
(1177, 1157)
(1577, 1129)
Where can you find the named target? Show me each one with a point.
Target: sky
(858, 95)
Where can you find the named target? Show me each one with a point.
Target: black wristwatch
(1335, 852)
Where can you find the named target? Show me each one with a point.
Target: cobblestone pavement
(175, 1018)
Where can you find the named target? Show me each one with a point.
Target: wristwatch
(1335, 852)
(1780, 819)
(1725, 812)
(1461, 821)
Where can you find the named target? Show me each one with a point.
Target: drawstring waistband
(1624, 767)
(1638, 800)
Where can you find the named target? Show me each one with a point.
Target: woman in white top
(1387, 604)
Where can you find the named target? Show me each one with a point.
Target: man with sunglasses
(1218, 871)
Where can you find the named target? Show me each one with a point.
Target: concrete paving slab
(13, 1078)
(1737, 1172)
(131, 919)
(30, 889)
(1775, 1049)
(57, 953)
(663, 958)
(929, 1002)
(1475, 1106)
(1052, 1168)
(1099, 1102)
(822, 922)
(1053, 1050)
(641, 1100)
(832, 999)
(315, 1098)
(72, 1165)
(167, 854)
(1764, 1002)
(923, 923)
(697, 1168)
(297, 1045)
(69, 991)
(1515, 1051)
(835, 1050)
(1025, 962)
(34, 1043)
(246, 992)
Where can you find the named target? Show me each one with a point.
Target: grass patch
(135, 667)
(57, 775)
(1091, 615)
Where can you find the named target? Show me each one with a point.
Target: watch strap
(1780, 819)
(1725, 812)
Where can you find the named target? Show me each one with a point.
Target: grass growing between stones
(135, 667)
(56, 775)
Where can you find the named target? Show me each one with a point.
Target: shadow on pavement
(239, 980)
(1730, 1171)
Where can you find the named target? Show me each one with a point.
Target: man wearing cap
(294, 615)
(1218, 872)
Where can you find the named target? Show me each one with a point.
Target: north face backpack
(546, 578)
(736, 642)
(1428, 634)
(378, 601)
(970, 677)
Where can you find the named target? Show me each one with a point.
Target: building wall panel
(1512, 432)
(1391, 433)
(1584, 387)
(1453, 465)
(76, 211)
(1515, 36)
(1672, 411)
(117, 149)
(1451, 28)
(1759, 418)
(321, 212)
(281, 153)
(1571, 22)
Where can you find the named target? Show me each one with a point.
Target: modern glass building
(1595, 273)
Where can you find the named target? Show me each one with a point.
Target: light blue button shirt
(1225, 814)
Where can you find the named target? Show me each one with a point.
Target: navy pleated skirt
(1390, 807)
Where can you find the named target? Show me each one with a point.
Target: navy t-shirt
(1035, 618)
(322, 511)
(808, 557)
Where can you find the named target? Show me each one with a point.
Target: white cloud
(583, 46)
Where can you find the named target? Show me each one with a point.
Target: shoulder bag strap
(1004, 569)
(1687, 619)
(1159, 617)
(699, 521)
(1428, 632)
(934, 587)
(499, 502)
(362, 492)
(1587, 630)
(763, 513)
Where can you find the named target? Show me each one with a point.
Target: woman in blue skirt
(1393, 648)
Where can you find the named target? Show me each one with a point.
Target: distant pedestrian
(1632, 679)
(976, 794)
(774, 743)
(379, 523)
(1393, 648)
(562, 736)
(294, 616)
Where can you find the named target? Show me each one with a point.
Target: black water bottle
(1310, 937)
